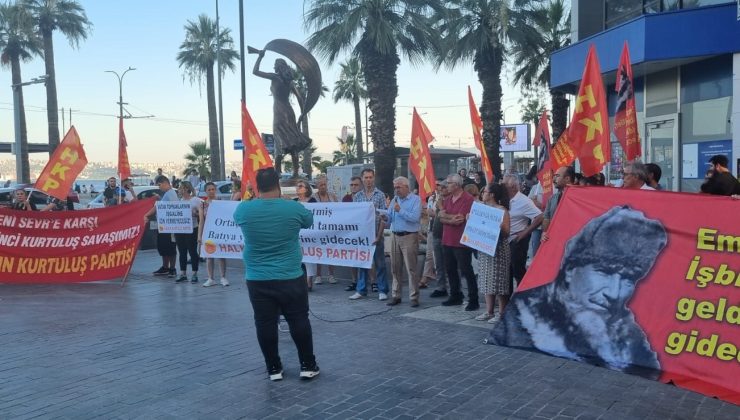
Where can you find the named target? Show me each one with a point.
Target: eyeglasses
(354, 185)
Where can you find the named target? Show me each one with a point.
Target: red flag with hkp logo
(625, 118)
(544, 172)
(589, 128)
(420, 160)
(256, 156)
(62, 169)
(124, 169)
(477, 128)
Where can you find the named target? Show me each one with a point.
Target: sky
(146, 35)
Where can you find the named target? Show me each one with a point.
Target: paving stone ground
(155, 349)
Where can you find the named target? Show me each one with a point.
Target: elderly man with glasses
(453, 216)
(634, 176)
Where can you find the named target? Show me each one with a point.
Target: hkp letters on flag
(62, 169)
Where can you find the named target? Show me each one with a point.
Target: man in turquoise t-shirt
(276, 282)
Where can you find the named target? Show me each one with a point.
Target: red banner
(70, 246)
(638, 281)
(124, 169)
(589, 128)
(542, 142)
(420, 161)
(477, 129)
(256, 156)
(62, 169)
(625, 118)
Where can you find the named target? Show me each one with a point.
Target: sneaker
(224, 282)
(309, 371)
(356, 296)
(194, 279)
(317, 280)
(275, 372)
(382, 296)
(172, 273)
(485, 316)
(351, 287)
(182, 278)
(209, 283)
(162, 271)
(375, 288)
(332, 280)
(496, 318)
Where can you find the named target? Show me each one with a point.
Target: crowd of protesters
(439, 222)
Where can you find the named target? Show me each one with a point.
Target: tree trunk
(213, 123)
(382, 89)
(52, 107)
(358, 128)
(559, 113)
(15, 69)
(307, 152)
(488, 65)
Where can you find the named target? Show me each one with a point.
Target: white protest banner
(174, 217)
(483, 228)
(222, 238)
(341, 234)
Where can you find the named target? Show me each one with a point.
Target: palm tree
(70, 19)
(347, 152)
(548, 30)
(376, 32)
(351, 87)
(477, 31)
(198, 55)
(198, 159)
(18, 43)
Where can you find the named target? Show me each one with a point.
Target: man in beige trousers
(404, 215)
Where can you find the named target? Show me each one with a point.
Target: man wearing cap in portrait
(583, 313)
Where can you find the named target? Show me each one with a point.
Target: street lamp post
(120, 89)
(17, 123)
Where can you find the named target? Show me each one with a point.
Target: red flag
(562, 153)
(62, 169)
(255, 152)
(477, 128)
(542, 141)
(625, 118)
(124, 169)
(420, 161)
(589, 128)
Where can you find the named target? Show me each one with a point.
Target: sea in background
(99, 184)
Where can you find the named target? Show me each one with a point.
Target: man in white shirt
(634, 176)
(525, 217)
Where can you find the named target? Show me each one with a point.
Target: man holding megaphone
(404, 214)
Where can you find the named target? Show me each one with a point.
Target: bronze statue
(285, 127)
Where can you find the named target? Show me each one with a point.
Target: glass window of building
(690, 4)
(620, 11)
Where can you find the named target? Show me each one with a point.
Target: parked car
(223, 190)
(38, 198)
(141, 191)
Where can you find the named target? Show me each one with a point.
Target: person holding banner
(210, 262)
(372, 194)
(305, 195)
(272, 256)
(165, 242)
(22, 201)
(493, 271)
(404, 216)
(323, 195)
(187, 243)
